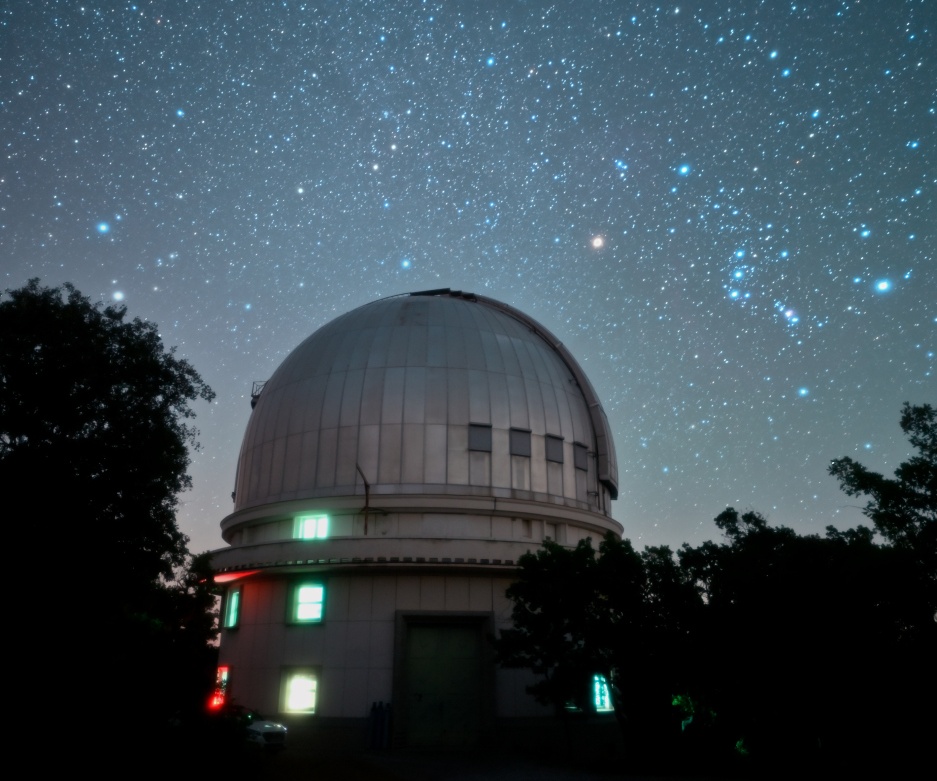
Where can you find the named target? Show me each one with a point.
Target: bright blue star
(913, 144)
(103, 228)
(683, 170)
(773, 55)
(405, 263)
(490, 62)
(883, 286)
(803, 392)
(180, 112)
(786, 72)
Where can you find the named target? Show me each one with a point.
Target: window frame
(291, 675)
(479, 437)
(520, 442)
(553, 443)
(232, 608)
(321, 528)
(295, 603)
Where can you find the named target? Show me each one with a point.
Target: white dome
(400, 393)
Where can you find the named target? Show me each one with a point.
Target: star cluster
(726, 210)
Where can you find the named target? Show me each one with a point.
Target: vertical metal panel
(372, 396)
(332, 403)
(298, 412)
(436, 351)
(554, 479)
(565, 414)
(398, 346)
(569, 471)
(416, 345)
(315, 396)
(436, 408)
(294, 449)
(479, 468)
(262, 472)
(351, 398)
(552, 397)
(458, 412)
(436, 449)
(494, 361)
(310, 452)
(368, 444)
(388, 467)
(346, 456)
(455, 348)
(500, 401)
(538, 423)
(414, 404)
(361, 351)
(457, 456)
(392, 402)
(517, 393)
(540, 357)
(286, 404)
(474, 350)
(411, 467)
(582, 427)
(509, 355)
(379, 346)
(479, 398)
(346, 346)
(520, 473)
(325, 463)
(538, 464)
(500, 458)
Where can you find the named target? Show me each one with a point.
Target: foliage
(770, 646)
(579, 612)
(904, 509)
(96, 411)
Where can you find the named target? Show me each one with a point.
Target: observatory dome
(439, 393)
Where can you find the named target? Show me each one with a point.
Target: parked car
(259, 731)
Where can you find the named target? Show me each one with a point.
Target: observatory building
(394, 468)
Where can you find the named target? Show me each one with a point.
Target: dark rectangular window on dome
(581, 456)
(479, 437)
(520, 442)
(554, 447)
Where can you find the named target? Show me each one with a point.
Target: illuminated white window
(232, 610)
(601, 696)
(311, 527)
(308, 601)
(299, 692)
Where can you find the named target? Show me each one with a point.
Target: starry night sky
(727, 211)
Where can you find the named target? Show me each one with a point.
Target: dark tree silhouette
(904, 509)
(627, 616)
(94, 438)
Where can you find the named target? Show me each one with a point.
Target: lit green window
(308, 602)
(232, 609)
(601, 696)
(299, 692)
(311, 527)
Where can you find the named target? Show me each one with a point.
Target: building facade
(394, 468)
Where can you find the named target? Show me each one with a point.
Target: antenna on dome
(256, 389)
